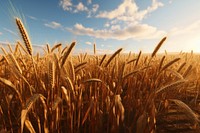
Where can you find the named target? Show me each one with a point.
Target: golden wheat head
(158, 47)
(24, 35)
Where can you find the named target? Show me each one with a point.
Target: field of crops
(61, 92)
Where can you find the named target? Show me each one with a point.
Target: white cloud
(1, 33)
(128, 11)
(140, 31)
(80, 7)
(66, 5)
(53, 25)
(123, 22)
(88, 43)
(127, 6)
(10, 31)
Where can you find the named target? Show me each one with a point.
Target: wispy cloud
(53, 25)
(10, 31)
(88, 43)
(140, 31)
(32, 17)
(1, 33)
(66, 5)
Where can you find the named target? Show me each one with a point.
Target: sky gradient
(131, 24)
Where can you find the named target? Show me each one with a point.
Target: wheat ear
(170, 63)
(24, 35)
(51, 74)
(187, 110)
(56, 46)
(138, 58)
(187, 71)
(113, 56)
(161, 63)
(181, 67)
(66, 54)
(94, 49)
(172, 85)
(158, 47)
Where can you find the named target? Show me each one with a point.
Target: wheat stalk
(24, 49)
(29, 126)
(10, 48)
(16, 49)
(14, 62)
(4, 51)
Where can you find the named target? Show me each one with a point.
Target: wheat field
(61, 92)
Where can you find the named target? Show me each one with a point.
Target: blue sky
(131, 24)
